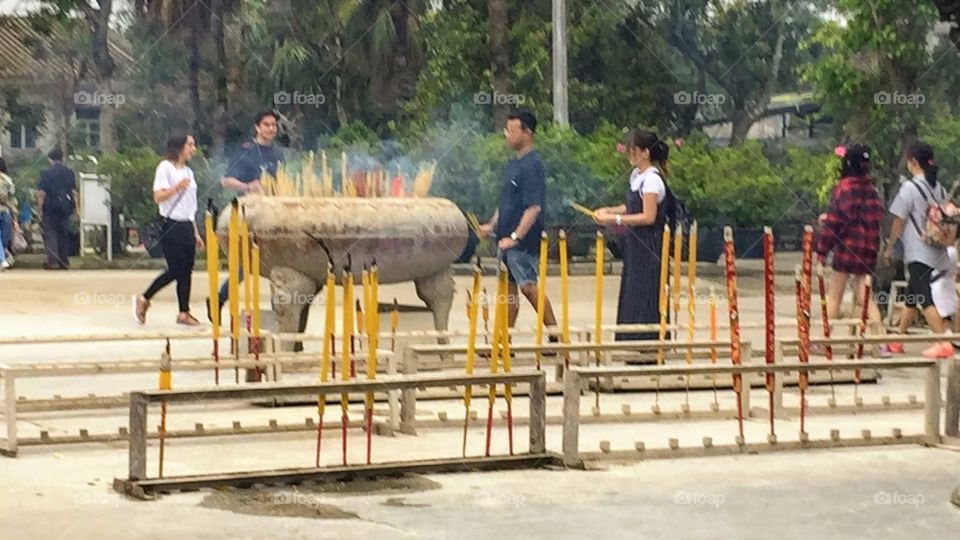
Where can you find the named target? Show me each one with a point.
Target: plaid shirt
(851, 228)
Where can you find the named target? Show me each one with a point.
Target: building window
(22, 136)
(87, 128)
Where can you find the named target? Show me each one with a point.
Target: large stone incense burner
(411, 239)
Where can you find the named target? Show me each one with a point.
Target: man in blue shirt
(518, 221)
(57, 200)
(257, 156)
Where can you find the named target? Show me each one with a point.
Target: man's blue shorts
(521, 266)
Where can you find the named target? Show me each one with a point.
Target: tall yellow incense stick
(371, 309)
(498, 315)
(505, 356)
(664, 301)
(598, 293)
(471, 349)
(564, 297)
(345, 352)
(329, 329)
(541, 292)
(676, 284)
(691, 279)
(233, 285)
(255, 300)
(598, 308)
(245, 260)
(213, 264)
(394, 324)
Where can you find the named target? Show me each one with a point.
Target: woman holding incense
(643, 216)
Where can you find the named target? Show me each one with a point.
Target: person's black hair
(659, 150)
(55, 155)
(175, 145)
(527, 120)
(3, 165)
(263, 114)
(923, 153)
(855, 161)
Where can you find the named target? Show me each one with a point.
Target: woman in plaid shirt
(851, 229)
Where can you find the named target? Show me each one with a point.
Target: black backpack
(676, 212)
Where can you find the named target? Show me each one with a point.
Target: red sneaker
(939, 351)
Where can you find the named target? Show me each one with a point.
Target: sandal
(140, 307)
(187, 319)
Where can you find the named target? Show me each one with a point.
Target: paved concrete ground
(65, 491)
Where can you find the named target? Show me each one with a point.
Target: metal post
(931, 406)
(138, 436)
(571, 418)
(538, 414)
(560, 104)
(393, 396)
(408, 396)
(778, 382)
(10, 411)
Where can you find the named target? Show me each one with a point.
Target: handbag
(19, 244)
(153, 232)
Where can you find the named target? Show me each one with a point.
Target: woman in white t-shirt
(175, 192)
(643, 216)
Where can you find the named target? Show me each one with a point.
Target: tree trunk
(741, 122)
(221, 112)
(107, 112)
(194, 76)
(338, 80)
(499, 59)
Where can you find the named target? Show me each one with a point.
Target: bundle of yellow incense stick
(582, 209)
(475, 224)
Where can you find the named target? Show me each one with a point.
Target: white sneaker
(4, 265)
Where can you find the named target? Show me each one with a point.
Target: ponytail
(659, 150)
(923, 154)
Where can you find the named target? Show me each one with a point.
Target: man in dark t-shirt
(256, 156)
(57, 200)
(518, 221)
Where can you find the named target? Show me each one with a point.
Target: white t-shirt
(648, 181)
(944, 289)
(181, 206)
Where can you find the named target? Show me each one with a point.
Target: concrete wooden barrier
(139, 484)
(573, 457)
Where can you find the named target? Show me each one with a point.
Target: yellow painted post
(343, 174)
(213, 266)
(394, 324)
(564, 297)
(165, 384)
(499, 324)
(541, 292)
(345, 353)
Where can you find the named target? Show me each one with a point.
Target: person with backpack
(56, 197)
(649, 205)
(918, 211)
(850, 229)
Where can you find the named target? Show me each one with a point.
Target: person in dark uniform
(256, 156)
(518, 221)
(57, 199)
(643, 215)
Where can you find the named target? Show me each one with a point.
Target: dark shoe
(551, 339)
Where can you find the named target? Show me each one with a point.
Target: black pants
(919, 294)
(180, 250)
(55, 239)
